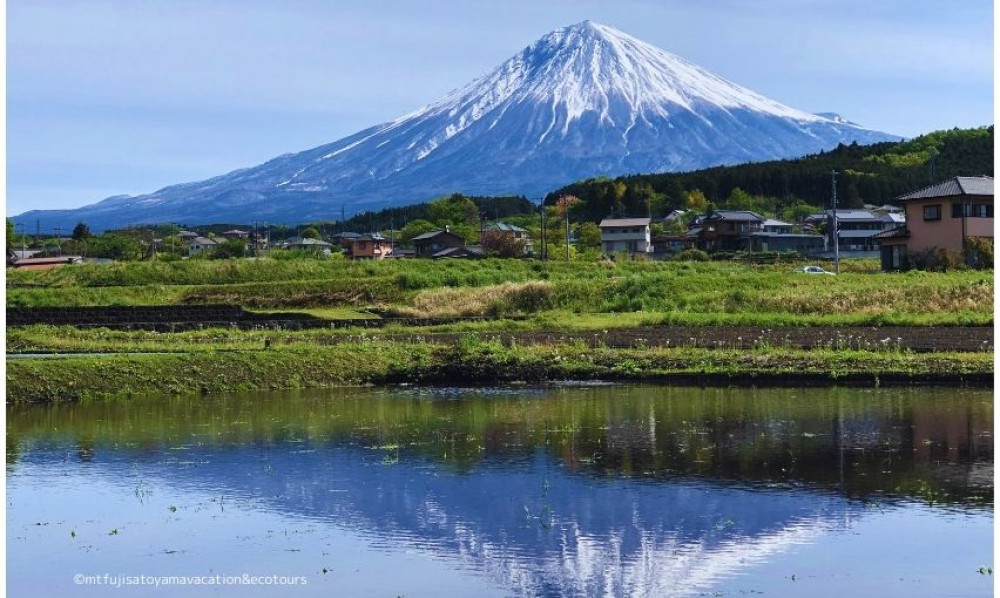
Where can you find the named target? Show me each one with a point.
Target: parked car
(816, 270)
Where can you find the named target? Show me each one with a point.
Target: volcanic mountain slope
(582, 101)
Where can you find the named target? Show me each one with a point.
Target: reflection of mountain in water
(608, 491)
(531, 526)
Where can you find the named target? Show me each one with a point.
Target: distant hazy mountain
(583, 101)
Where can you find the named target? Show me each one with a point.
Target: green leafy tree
(115, 247)
(502, 244)
(453, 210)
(228, 249)
(740, 200)
(618, 189)
(310, 232)
(10, 233)
(81, 231)
(588, 236)
(799, 211)
(696, 200)
(413, 229)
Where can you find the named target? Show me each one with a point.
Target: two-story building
(856, 230)
(630, 235)
(727, 230)
(367, 247)
(942, 216)
(780, 236)
(436, 241)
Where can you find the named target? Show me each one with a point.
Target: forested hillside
(872, 174)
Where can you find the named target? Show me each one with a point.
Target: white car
(816, 270)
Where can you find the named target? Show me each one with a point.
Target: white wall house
(199, 245)
(625, 234)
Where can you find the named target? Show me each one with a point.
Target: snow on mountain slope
(582, 101)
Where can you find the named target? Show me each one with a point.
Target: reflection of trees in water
(860, 442)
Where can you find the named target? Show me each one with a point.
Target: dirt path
(915, 338)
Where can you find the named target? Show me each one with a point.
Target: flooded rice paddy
(523, 491)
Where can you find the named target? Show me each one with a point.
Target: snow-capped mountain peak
(582, 101)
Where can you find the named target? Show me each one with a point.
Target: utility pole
(541, 223)
(24, 249)
(59, 240)
(836, 228)
(566, 210)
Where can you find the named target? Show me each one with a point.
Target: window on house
(932, 212)
(979, 210)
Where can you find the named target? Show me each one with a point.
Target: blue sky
(111, 97)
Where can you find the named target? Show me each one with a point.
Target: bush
(692, 255)
(936, 259)
(979, 253)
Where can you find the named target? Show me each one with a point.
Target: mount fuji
(583, 101)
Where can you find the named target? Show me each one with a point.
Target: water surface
(533, 491)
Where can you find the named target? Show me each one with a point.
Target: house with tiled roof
(942, 216)
(856, 230)
(431, 243)
(728, 230)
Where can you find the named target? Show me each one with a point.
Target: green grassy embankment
(471, 362)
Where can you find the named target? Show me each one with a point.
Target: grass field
(517, 295)
(668, 292)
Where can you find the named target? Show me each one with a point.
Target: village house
(780, 236)
(727, 230)
(236, 234)
(344, 239)
(513, 232)
(856, 230)
(942, 216)
(630, 235)
(667, 245)
(306, 244)
(367, 247)
(429, 244)
(199, 245)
